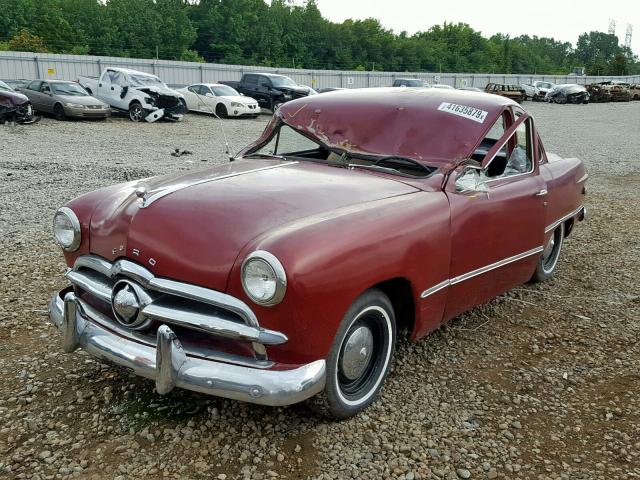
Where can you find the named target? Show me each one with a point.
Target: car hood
(194, 226)
(159, 90)
(88, 100)
(239, 99)
(12, 99)
(299, 90)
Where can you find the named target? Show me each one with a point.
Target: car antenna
(227, 150)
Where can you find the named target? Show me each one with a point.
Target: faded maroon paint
(394, 121)
(337, 231)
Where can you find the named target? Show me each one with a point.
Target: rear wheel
(360, 357)
(58, 112)
(550, 255)
(136, 112)
(276, 105)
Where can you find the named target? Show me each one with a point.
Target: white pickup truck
(142, 95)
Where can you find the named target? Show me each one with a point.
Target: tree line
(283, 34)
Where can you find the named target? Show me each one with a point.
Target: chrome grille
(176, 303)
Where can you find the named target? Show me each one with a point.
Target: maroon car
(14, 107)
(289, 273)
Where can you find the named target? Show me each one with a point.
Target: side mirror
(209, 94)
(471, 180)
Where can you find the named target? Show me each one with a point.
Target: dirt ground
(541, 383)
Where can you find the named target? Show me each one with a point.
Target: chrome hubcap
(126, 304)
(357, 352)
(548, 250)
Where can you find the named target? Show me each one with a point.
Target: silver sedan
(64, 99)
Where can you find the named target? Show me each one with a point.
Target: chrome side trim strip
(479, 271)
(435, 288)
(563, 219)
(93, 286)
(583, 178)
(169, 190)
(493, 266)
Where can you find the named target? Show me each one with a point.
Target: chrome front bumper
(170, 366)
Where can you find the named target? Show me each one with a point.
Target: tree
(26, 42)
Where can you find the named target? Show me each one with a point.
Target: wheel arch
(400, 293)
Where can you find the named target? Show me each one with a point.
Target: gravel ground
(541, 383)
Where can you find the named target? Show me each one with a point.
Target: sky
(563, 20)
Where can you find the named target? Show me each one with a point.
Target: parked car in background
(514, 92)
(290, 272)
(530, 92)
(470, 89)
(619, 91)
(598, 93)
(64, 100)
(634, 90)
(142, 95)
(220, 99)
(543, 88)
(270, 90)
(568, 93)
(16, 83)
(410, 82)
(14, 106)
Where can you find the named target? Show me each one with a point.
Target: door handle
(542, 193)
(112, 88)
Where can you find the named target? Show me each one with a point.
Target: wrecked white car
(142, 95)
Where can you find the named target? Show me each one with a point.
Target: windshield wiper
(264, 155)
(403, 160)
(378, 168)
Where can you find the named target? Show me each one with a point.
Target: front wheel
(360, 357)
(550, 255)
(221, 111)
(276, 105)
(136, 112)
(58, 112)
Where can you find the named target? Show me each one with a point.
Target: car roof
(390, 121)
(130, 71)
(266, 74)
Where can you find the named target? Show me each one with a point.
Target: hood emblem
(141, 192)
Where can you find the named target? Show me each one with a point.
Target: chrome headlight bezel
(279, 276)
(75, 224)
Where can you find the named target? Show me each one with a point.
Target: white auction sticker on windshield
(465, 111)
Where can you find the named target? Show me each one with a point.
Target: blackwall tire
(136, 112)
(221, 111)
(360, 357)
(58, 112)
(550, 255)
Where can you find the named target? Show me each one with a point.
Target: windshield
(282, 81)
(144, 80)
(224, 91)
(70, 89)
(288, 143)
(4, 86)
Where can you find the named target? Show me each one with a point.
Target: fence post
(341, 79)
(153, 67)
(35, 59)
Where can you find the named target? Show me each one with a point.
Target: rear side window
(251, 79)
(35, 85)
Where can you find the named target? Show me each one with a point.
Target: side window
(252, 79)
(108, 76)
(516, 155)
(194, 88)
(45, 88)
(35, 85)
(118, 78)
(264, 82)
(542, 157)
(493, 135)
(206, 90)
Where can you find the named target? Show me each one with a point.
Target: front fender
(331, 259)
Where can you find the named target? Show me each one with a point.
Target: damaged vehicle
(142, 95)
(618, 91)
(514, 92)
(568, 93)
(15, 107)
(290, 273)
(598, 93)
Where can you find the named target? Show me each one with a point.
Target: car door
(497, 235)
(209, 98)
(32, 91)
(192, 98)
(46, 97)
(264, 92)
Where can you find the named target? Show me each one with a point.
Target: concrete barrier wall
(26, 65)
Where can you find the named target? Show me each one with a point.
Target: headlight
(263, 278)
(66, 229)
(236, 104)
(74, 105)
